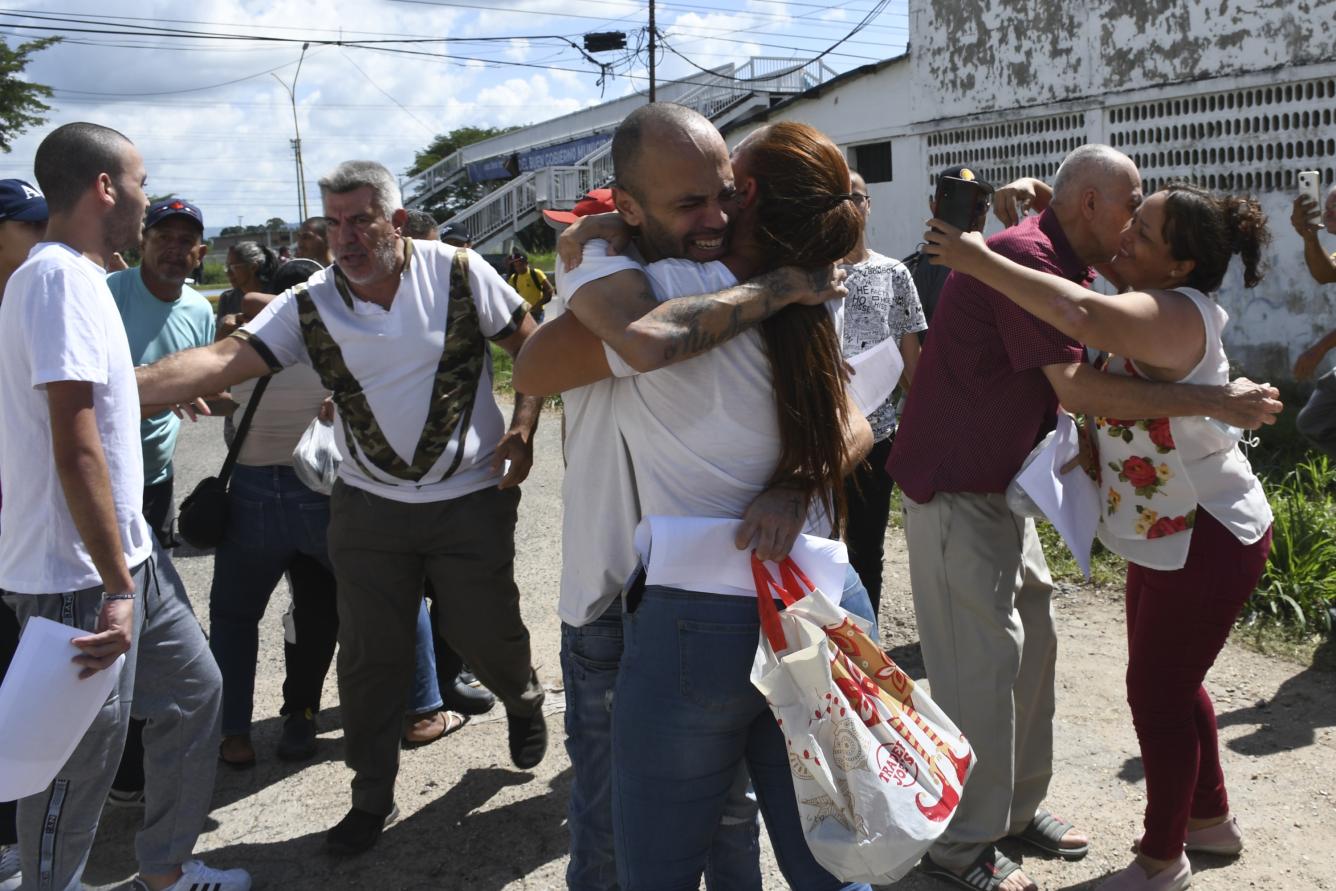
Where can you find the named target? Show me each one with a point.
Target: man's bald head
(1095, 193)
(655, 128)
(1093, 166)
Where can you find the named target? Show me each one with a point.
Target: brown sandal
(237, 751)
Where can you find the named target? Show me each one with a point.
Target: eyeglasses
(858, 198)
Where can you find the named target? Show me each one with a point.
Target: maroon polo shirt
(980, 399)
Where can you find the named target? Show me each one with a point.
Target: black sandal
(1045, 834)
(987, 873)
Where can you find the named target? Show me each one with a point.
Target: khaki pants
(383, 551)
(982, 597)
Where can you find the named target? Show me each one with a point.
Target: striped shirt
(980, 399)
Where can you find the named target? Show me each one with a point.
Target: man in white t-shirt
(76, 548)
(398, 331)
(684, 213)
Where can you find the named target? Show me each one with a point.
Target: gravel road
(472, 821)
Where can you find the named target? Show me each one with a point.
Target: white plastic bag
(1021, 504)
(878, 768)
(316, 458)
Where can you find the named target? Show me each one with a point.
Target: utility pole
(652, 50)
(297, 141)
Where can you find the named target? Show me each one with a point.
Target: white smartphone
(1311, 188)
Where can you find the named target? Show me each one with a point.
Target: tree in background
(459, 195)
(21, 105)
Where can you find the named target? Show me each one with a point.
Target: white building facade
(1231, 95)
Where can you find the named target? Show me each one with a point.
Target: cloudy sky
(214, 122)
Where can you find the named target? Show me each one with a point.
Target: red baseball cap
(597, 201)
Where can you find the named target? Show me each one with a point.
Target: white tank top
(1155, 474)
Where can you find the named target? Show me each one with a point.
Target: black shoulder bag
(202, 520)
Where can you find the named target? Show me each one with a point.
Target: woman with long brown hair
(704, 438)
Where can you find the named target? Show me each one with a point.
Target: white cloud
(218, 128)
(518, 50)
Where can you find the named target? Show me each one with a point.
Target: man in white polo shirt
(687, 205)
(398, 332)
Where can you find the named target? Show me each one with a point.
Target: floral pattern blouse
(1156, 474)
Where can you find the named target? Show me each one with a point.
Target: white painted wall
(979, 55)
(979, 67)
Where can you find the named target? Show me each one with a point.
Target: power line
(568, 15)
(871, 14)
(431, 132)
(298, 28)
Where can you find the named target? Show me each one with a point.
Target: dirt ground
(472, 821)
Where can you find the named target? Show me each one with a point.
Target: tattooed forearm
(689, 326)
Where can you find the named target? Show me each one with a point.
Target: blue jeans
(589, 658)
(687, 716)
(274, 521)
(425, 696)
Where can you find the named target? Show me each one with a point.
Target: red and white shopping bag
(878, 767)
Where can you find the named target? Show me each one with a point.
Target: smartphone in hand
(958, 201)
(1310, 187)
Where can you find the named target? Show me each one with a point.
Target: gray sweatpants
(170, 680)
(1317, 419)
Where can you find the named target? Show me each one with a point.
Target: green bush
(215, 273)
(1298, 586)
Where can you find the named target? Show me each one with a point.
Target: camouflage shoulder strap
(452, 393)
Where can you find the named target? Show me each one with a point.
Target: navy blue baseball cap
(455, 235)
(21, 201)
(172, 207)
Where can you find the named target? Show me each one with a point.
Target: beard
(123, 227)
(382, 259)
(667, 245)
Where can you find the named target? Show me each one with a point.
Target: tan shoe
(425, 728)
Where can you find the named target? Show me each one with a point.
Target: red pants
(1177, 623)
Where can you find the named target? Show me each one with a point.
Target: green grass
(1298, 586)
(502, 370)
(1107, 569)
(544, 260)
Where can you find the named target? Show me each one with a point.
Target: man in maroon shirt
(988, 385)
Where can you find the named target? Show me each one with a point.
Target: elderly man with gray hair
(398, 331)
(988, 385)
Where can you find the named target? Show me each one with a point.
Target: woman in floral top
(882, 304)
(1180, 501)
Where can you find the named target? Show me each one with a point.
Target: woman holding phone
(1180, 501)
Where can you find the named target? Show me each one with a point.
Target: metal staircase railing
(518, 202)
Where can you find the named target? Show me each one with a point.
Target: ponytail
(1210, 229)
(1246, 225)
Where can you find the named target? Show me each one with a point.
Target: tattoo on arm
(694, 324)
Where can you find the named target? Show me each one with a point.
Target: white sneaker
(10, 877)
(198, 877)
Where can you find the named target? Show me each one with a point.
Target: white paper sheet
(876, 372)
(1069, 500)
(697, 554)
(45, 708)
